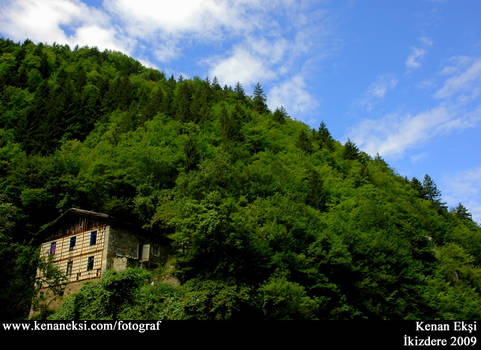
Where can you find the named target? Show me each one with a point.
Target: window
(156, 250)
(69, 268)
(93, 237)
(90, 263)
(53, 248)
(73, 241)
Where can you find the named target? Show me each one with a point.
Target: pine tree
(324, 138)
(280, 115)
(239, 90)
(182, 101)
(191, 155)
(230, 125)
(418, 187)
(30, 127)
(430, 189)
(44, 66)
(199, 108)
(304, 142)
(154, 105)
(259, 99)
(351, 151)
(462, 212)
(317, 195)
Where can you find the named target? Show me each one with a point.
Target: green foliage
(269, 219)
(103, 300)
(259, 99)
(285, 300)
(49, 285)
(462, 213)
(217, 300)
(304, 142)
(350, 150)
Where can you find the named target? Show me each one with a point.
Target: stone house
(84, 244)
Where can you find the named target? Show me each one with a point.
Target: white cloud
(413, 60)
(416, 158)
(293, 95)
(426, 41)
(47, 21)
(462, 120)
(148, 63)
(274, 51)
(102, 38)
(462, 78)
(377, 90)
(199, 17)
(465, 188)
(123, 24)
(166, 53)
(242, 66)
(393, 134)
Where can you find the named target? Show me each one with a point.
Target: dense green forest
(268, 218)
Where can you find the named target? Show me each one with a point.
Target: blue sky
(400, 78)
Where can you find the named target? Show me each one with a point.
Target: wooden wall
(80, 254)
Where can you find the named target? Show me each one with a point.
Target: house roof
(76, 220)
(54, 228)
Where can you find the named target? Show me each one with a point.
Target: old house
(84, 244)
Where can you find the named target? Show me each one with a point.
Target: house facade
(84, 244)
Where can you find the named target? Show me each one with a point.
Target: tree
(280, 115)
(323, 137)
(418, 187)
(200, 106)
(316, 195)
(351, 151)
(259, 99)
(462, 212)
(304, 142)
(44, 66)
(239, 90)
(430, 189)
(153, 106)
(182, 101)
(49, 285)
(191, 154)
(285, 300)
(30, 127)
(230, 125)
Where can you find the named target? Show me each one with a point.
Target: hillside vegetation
(268, 218)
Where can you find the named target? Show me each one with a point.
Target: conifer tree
(153, 106)
(418, 187)
(199, 107)
(191, 155)
(317, 195)
(462, 212)
(304, 142)
(431, 191)
(324, 138)
(239, 90)
(182, 101)
(351, 151)
(230, 125)
(280, 115)
(259, 99)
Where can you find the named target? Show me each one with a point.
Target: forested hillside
(269, 218)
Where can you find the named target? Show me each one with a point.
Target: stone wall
(122, 247)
